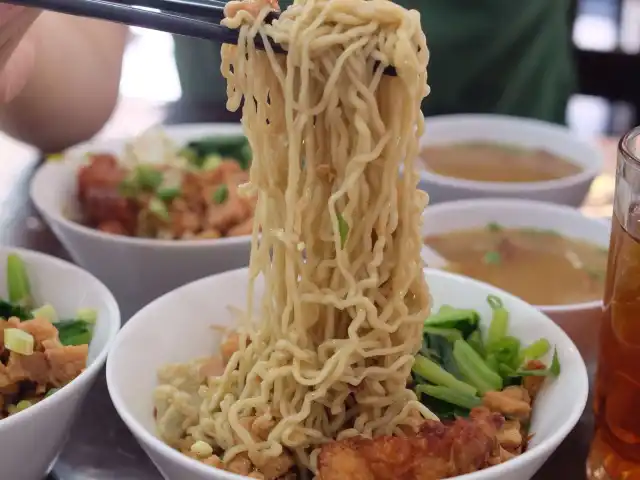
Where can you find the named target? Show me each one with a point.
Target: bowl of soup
(483, 156)
(551, 256)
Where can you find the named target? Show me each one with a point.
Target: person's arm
(73, 87)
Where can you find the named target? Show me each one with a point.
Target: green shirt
(491, 56)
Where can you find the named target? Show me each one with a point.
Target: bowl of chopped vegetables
(57, 323)
(148, 214)
(483, 349)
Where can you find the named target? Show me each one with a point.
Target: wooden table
(100, 446)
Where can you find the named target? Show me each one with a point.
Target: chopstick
(141, 17)
(191, 18)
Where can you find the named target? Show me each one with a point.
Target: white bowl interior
(177, 328)
(511, 131)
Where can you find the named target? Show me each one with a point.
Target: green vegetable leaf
(8, 310)
(220, 194)
(464, 320)
(449, 395)
(343, 229)
(18, 281)
(74, 332)
(492, 258)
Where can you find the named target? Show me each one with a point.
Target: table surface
(100, 445)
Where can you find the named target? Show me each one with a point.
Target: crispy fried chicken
(438, 450)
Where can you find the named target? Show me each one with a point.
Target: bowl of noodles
(160, 377)
(150, 213)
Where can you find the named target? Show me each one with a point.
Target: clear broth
(539, 266)
(490, 162)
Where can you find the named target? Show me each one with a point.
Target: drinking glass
(615, 450)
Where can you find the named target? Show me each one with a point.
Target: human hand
(17, 52)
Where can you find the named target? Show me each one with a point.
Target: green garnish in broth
(492, 258)
(494, 227)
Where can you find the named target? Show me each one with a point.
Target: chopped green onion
(343, 229)
(167, 194)
(147, 177)
(434, 373)
(494, 227)
(474, 369)
(88, 315)
(554, 369)
(18, 281)
(23, 405)
(211, 162)
(506, 350)
(159, 209)
(191, 155)
(500, 321)
(450, 396)
(74, 332)
(46, 311)
(492, 258)
(51, 391)
(220, 194)
(494, 302)
(537, 349)
(18, 341)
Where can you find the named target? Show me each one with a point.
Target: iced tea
(615, 451)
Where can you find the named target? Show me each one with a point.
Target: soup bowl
(137, 270)
(579, 320)
(31, 440)
(150, 340)
(516, 132)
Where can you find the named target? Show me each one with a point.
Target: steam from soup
(540, 266)
(490, 162)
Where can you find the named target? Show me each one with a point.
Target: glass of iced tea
(615, 451)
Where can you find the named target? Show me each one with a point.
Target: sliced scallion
(220, 194)
(18, 341)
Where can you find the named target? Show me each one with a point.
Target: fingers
(16, 53)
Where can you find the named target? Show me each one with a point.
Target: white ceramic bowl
(31, 440)
(520, 132)
(153, 338)
(137, 270)
(579, 320)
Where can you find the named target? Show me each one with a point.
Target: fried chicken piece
(437, 451)
(512, 402)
